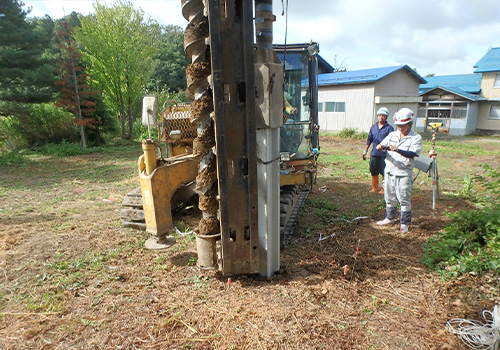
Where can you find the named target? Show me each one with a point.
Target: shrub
(351, 133)
(43, 123)
(11, 158)
(64, 149)
(471, 243)
(483, 189)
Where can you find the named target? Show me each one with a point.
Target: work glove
(364, 154)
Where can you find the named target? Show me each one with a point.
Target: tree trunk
(130, 121)
(78, 110)
(98, 137)
(123, 117)
(122, 120)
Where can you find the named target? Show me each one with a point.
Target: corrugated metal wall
(362, 100)
(359, 102)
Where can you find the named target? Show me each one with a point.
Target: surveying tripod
(434, 174)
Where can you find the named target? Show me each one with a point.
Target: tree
(75, 91)
(119, 48)
(103, 121)
(170, 72)
(26, 71)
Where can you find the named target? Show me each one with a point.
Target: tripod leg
(434, 182)
(437, 178)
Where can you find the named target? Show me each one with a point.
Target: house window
(459, 111)
(320, 106)
(421, 110)
(496, 84)
(329, 106)
(339, 106)
(495, 111)
(334, 106)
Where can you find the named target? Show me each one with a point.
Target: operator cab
(299, 136)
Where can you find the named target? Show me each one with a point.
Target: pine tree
(26, 74)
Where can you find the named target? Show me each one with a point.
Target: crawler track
(291, 202)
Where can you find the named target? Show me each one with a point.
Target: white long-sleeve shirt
(395, 163)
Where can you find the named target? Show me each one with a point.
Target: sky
(440, 37)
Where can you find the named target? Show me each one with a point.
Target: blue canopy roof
(364, 76)
(455, 91)
(466, 83)
(489, 62)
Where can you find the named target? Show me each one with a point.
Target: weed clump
(471, 242)
(352, 134)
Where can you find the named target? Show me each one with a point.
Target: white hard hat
(383, 111)
(403, 116)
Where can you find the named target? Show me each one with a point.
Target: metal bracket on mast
(232, 60)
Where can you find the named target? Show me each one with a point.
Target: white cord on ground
(183, 234)
(321, 238)
(478, 335)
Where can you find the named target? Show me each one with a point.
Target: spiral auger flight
(198, 89)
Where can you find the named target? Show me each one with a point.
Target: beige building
(350, 99)
(464, 104)
(488, 116)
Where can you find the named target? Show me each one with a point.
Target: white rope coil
(476, 334)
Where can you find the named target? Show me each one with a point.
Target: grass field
(73, 278)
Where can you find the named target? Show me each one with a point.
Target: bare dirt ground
(73, 278)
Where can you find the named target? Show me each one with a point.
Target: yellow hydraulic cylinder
(149, 149)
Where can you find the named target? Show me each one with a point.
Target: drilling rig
(250, 138)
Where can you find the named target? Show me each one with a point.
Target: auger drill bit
(198, 89)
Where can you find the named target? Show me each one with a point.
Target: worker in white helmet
(377, 133)
(402, 146)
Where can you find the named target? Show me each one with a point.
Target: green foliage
(170, 69)
(483, 189)
(201, 282)
(459, 147)
(324, 211)
(471, 243)
(104, 122)
(44, 303)
(11, 158)
(63, 149)
(72, 274)
(351, 133)
(345, 165)
(26, 71)
(119, 49)
(38, 124)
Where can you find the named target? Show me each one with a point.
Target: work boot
(390, 214)
(386, 221)
(405, 221)
(374, 184)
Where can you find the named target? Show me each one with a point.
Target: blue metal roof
(364, 76)
(467, 83)
(453, 90)
(489, 62)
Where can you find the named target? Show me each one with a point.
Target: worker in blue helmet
(402, 146)
(377, 133)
